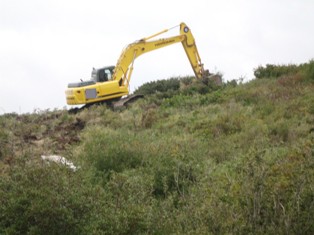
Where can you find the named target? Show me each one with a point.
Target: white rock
(59, 160)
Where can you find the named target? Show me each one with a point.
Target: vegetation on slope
(190, 158)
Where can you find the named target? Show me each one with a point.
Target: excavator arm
(124, 67)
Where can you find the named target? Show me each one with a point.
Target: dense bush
(275, 71)
(182, 85)
(171, 84)
(38, 200)
(232, 160)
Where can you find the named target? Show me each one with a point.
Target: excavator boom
(101, 88)
(124, 65)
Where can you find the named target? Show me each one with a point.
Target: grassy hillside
(190, 158)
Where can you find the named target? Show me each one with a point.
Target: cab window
(108, 74)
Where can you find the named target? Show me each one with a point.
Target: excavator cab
(98, 75)
(100, 87)
(103, 74)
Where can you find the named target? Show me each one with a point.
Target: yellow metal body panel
(104, 90)
(118, 87)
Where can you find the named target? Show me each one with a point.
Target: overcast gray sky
(45, 44)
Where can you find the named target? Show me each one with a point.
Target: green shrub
(159, 86)
(173, 86)
(308, 70)
(233, 160)
(109, 151)
(172, 176)
(43, 200)
(276, 71)
(4, 137)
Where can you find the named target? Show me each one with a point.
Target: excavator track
(115, 104)
(124, 102)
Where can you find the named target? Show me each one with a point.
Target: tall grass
(237, 159)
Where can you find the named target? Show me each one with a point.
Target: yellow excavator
(112, 82)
